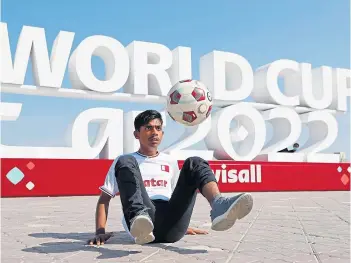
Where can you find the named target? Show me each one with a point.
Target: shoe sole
(145, 240)
(141, 229)
(238, 210)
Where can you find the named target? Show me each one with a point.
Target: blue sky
(314, 31)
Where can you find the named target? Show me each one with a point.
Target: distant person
(286, 150)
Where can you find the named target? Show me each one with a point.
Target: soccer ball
(189, 102)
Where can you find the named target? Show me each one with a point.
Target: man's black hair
(145, 117)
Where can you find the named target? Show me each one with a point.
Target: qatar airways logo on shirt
(152, 183)
(250, 175)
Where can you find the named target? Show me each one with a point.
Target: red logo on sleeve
(165, 168)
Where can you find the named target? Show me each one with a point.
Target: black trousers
(171, 218)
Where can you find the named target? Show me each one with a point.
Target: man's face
(150, 135)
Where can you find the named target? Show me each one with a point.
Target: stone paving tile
(283, 227)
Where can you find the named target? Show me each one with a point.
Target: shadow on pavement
(76, 242)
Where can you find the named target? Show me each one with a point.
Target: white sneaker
(226, 210)
(141, 229)
(145, 240)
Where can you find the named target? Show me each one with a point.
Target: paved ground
(283, 227)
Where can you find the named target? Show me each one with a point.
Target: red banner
(60, 177)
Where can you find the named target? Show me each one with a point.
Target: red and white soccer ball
(189, 102)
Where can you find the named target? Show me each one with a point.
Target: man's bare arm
(101, 215)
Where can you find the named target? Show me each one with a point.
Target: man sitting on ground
(157, 199)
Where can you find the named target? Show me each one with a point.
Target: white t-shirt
(160, 175)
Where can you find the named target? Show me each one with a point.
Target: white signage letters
(310, 97)
(48, 72)
(116, 62)
(228, 76)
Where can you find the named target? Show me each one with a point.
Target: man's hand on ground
(100, 238)
(194, 231)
